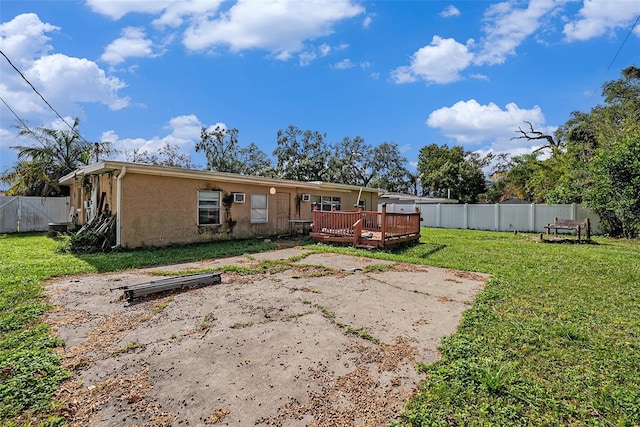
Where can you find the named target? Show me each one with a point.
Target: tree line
(594, 159)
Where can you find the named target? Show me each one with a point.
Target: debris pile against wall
(97, 235)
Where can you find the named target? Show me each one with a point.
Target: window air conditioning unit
(238, 197)
(306, 197)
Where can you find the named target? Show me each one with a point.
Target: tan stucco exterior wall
(160, 210)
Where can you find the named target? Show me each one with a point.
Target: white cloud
(75, 80)
(507, 26)
(132, 44)
(345, 64)
(7, 139)
(597, 17)
(325, 49)
(24, 38)
(183, 131)
(469, 122)
(439, 62)
(117, 9)
(174, 14)
(64, 81)
(307, 57)
(280, 26)
(366, 22)
(479, 76)
(449, 11)
(186, 128)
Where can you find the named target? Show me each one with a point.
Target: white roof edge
(112, 165)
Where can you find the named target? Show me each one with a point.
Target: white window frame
(239, 198)
(259, 208)
(326, 203)
(205, 196)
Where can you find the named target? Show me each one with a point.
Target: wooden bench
(571, 224)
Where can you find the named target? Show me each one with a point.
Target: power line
(623, 43)
(23, 123)
(75, 132)
(14, 113)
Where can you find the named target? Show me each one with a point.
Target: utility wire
(623, 43)
(42, 97)
(22, 122)
(14, 113)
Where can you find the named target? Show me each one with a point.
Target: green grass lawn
(554, 339)
(29, 367)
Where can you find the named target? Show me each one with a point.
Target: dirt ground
(317, 340)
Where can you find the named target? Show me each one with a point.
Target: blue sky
(142, 73)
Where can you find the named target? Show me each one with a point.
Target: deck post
(357, 232)
(314, 224)
(383, 225)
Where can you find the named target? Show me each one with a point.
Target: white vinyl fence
(19, 214)
(498, 217)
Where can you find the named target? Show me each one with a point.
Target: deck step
(366, 247)
(181, 282)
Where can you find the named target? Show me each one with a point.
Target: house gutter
(123, 172)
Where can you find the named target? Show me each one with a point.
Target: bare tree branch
(534, 135)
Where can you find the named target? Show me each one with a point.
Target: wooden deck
(366, 229)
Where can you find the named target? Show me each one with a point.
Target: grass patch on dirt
(30, 370)
(554, 338)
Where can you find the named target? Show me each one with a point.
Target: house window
(259, 208)
(325, 203)
(362, 204)
(208, 207)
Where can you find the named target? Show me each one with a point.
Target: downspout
(123, 172)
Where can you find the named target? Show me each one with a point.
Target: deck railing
(337, 223)
(390, 225)
(400, 224)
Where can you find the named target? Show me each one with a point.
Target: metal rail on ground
(182, 282)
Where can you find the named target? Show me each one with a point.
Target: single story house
(399, 202)
(158, 205)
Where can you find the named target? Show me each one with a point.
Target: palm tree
(55, 154)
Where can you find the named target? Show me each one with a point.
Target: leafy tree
(442, 170)
(302, 155)
(614, 190)
(351, 162)
(224, 154)
(389, 169)
(220, 146)
(27, 178)
(254, 161)
(55, 154)
(620, 117)
(167, 155)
